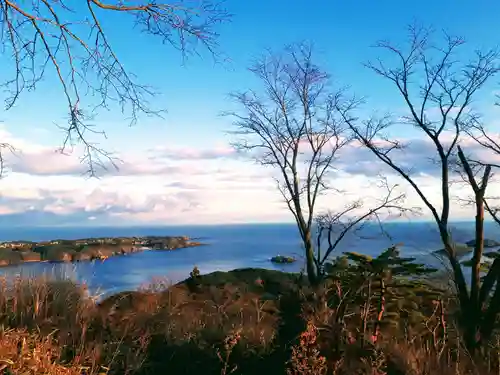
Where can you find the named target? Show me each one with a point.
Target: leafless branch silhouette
(51, 36)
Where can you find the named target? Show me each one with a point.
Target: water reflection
(133, 271)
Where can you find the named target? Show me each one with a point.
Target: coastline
(14, 253)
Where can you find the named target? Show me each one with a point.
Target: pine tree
(387, 293)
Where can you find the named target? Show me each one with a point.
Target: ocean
(229, 247)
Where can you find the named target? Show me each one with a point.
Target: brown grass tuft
(27, 353)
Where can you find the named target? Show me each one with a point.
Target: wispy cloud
(188, 153)
(417, 156)
(173, 186)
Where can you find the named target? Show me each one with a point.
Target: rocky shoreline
(86, 249)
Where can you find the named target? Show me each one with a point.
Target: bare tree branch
(72, 41)
(484, 138)
(490, 141)
(338, 224)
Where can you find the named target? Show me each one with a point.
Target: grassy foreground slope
(247, 321)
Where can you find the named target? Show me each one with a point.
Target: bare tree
(293, 126)
(431, 78)
(70, 41)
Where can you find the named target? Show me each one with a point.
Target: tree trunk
(310, 266)
(478, 295)
(490, 315)
(458, 275)
(472, 337)
(467, 314)
(478, 249)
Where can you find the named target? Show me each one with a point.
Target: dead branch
(337, 225)
(494, 211)
(483, 137)
(490, 141)
(51, 37)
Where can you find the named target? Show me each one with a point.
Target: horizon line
(253, 223)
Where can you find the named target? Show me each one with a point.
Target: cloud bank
(183, 185)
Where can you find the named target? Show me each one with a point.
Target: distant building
(16, 245)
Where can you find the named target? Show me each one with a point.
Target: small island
(281, 259)
(86, 249)
(487, 243)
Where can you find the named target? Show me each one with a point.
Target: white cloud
(182, 185)
(188, 153)
(165, 186)
(418, 156)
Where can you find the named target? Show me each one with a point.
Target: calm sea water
(229, 247)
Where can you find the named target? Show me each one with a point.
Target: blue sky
(195, 94)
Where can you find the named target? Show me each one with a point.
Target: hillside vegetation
(16, 252)
(386, 315)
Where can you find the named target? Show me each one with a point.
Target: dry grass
(243, 322)
(39, 302)
(27, 353)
